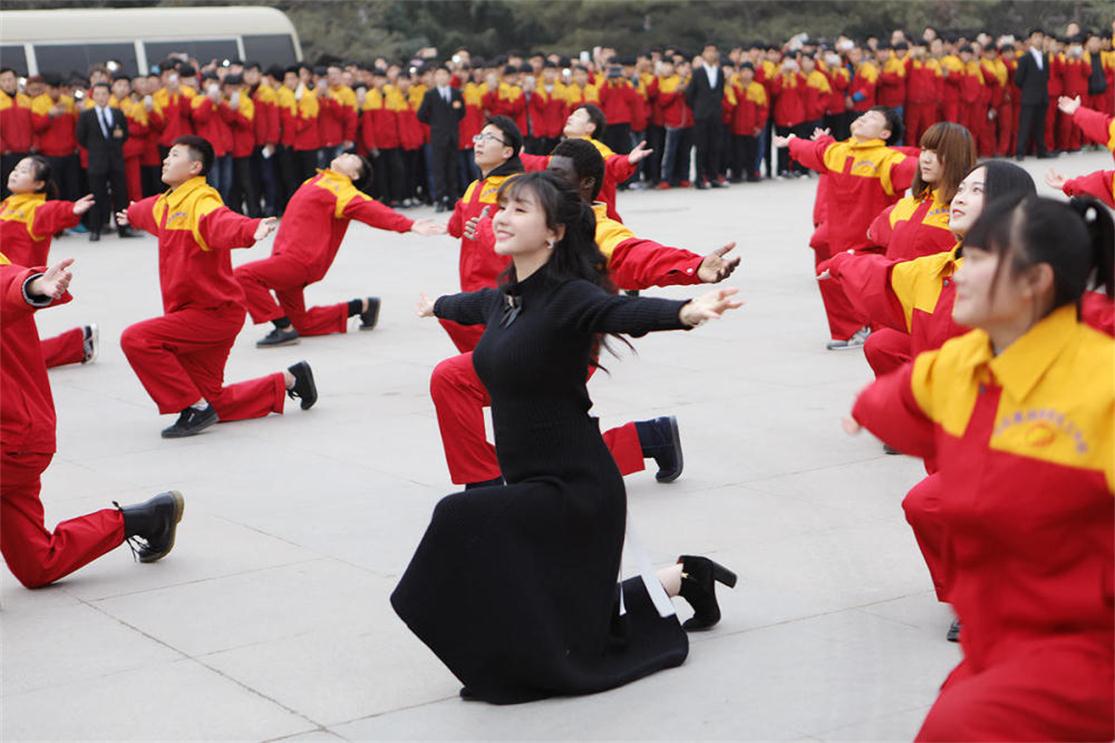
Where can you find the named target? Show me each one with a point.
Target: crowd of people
(986, 312)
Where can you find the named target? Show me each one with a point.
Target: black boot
(370, 316)
(954, 631)
(191, 422)
(661, 441)
(155, 522)
(304, 388)
(699, 576)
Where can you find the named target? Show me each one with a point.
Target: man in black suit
(1032, 79)
(442, 109)
(102, 131)
(705, 95)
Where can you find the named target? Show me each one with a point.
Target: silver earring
(549, 245)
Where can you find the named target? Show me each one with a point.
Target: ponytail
(43, 172)
(1101, 234)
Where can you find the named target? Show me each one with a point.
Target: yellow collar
(1022, 364)
(856, 144)
(332, 175)
(19, 200)
(176, 196)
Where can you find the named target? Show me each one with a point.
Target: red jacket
(635, 263)
(865, 178)
(16, 131)
(863, 87)
(210, 121)
(196, 232)
(923, 81)
(411, 134)
(1097, 126)
(669, 102)
(55, 136)
(548, 111)
(750, 110)
(839, 80)
(913, 227)
(266, 121)
(892, 83)
(379, 124)
(508, 100)
(28, 223)
(1027, 570)
(788, 91)
(27, 419)
(617, 100)
(1100, 184)
(337, 119)
(479, 266)
(241, 123)
(317, 218)
(473, 120)
(175, 110)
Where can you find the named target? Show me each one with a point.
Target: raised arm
(1100, 184)
(141, 214)
(369, 211)
(866, 278)
(889, 409)
(639, 264)
(24, 290)
(810, 153)
(220, 228)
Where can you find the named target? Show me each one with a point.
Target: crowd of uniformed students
(271, 128)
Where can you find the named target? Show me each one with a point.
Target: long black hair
(1076, 239)
(1002, 182)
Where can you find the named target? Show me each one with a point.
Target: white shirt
(713, 74)
(1038, 57)
(445, 95)
(104, 119)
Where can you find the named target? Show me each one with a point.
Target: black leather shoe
(125, 232)
(370, 316)
(191, 422)
(94, 236)
(304, 388)
(439, 207)
(953, 634)
(699, 576)
(155, 522)
(887, 449)
(660, 440)
(278, 337)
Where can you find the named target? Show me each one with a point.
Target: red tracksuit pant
(922, 506)
(287, 277)
(919, 117)
(36, 556)
(843, 319)
(1053, 687)
(180, 358)
(460, 398)
(886, 350)
(66, 348)
(1007, 123)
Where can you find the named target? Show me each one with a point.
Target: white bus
(68, 42)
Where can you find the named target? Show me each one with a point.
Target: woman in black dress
(515, 587)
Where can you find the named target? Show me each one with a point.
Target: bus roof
(128, 24)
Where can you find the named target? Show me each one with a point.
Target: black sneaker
(661, 441)
(90, 343)
(155, 522)
(888, 449)
(370, 316)
(278, 337)
(304, 388)
(954, 631)
(191, 422)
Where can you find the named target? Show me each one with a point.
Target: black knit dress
(515, 587)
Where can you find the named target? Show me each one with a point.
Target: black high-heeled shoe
(699, 576)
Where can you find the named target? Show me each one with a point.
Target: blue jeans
(220, 175)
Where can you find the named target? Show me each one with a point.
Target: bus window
(65, 59)
(12, 55)
(269, 49)
(203, 51)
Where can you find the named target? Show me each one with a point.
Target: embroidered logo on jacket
(1042, 426)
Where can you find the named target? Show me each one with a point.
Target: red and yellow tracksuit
(379, 127)
(460, 397)
(747, 109)
(313, 227)
(210, 121)
(507, 100)
(35, 556)
(266, 119)
(1055, 87)
(839, 79)
(135, 146)
(973, 99)
(1100, 184)
(16, 130)
(307, 136)
(862, 179)
(893, 83)
(180, 356)
(923, 86)
(28, 223)
(1005, 119)
(1024, 441)
(914, 227)
(618, 100)
(817, 93)
(864, 86)
(337, 118)
(175, 109)
(55, 137)
(548, 111)
(473, 121)
(788, 93)
(1074, 82)
(1097, 126)
(952, 78)
(576, 95)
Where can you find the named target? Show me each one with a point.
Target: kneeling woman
(515, 587)
(1018, 414)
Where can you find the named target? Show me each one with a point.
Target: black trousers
(307, 165)
(1031, 125)
(618, 138)
(288, 176)
(443, 163)
(656, 141)
(151, 179)
(390, 176)
(66, 174)
(106, 204)
(414, 170)
(707, 136)
(7, 165)
(746, 150)
(785, 163)
(243, 196)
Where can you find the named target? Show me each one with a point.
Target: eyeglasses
(478, 138)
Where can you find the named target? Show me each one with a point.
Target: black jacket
(443, 118)
(703, 98)
(1033, 83)
(104, 154)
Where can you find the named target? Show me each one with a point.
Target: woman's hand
(54, 282)
(427, 227)
(84, 204)
(1068, 105)
(425, 306)
(715, 267)
(851, 427)
(1055, 179)
(266, 226)
(710, 306)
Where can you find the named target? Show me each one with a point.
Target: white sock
(201, 404)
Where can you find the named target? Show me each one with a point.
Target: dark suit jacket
(703, 98)
(442, 117)
(104, 154)
(1033, 83)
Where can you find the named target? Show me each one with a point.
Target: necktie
(445, 95)
(104, 120)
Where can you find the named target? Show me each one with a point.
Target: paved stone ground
(270, 619)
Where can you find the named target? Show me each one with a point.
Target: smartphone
(585, 57)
